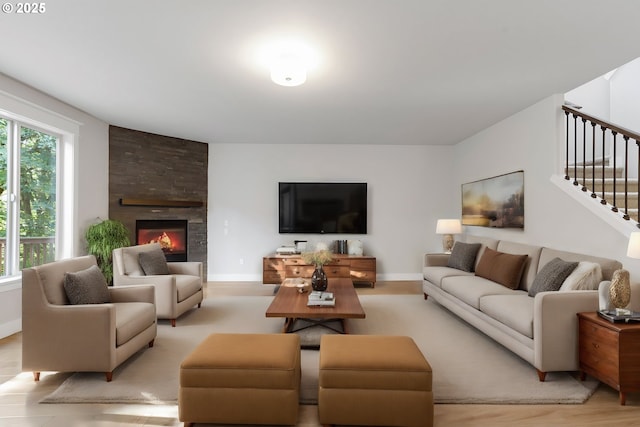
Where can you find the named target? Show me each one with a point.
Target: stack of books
(321, 299)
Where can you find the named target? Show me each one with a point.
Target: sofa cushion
(586, 276)
(552, 275)
(131, 260)
(436, 274)
(86, 286)
(153, 262)
(607, 265)
(463, 256)
(505, 269)
(133, 318)
(514, 310)
(469, 289)
(531, 266)
(187, 285)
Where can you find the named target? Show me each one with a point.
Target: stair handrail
(614, 130)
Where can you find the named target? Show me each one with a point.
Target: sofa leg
(199, 304)
(541, 375)
(151, 343)
(36, 375)
(109, 376)
(173, 323)
(425, 295)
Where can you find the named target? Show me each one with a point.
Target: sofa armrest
(555, 328)
(436, 260)
(192, 268)
(133, 293)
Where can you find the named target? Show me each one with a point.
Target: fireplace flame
(164, 240)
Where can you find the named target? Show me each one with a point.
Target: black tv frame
(337, 221)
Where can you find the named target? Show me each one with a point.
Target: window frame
(21, 112)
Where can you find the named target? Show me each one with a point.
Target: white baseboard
(10, 328)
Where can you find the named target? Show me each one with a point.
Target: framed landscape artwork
(494, 202)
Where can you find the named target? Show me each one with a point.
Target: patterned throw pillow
(463, 256)
(551, 276)
(87, 286)
(153, 262)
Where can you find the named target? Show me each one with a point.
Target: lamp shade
(633, 250)
(448, 226)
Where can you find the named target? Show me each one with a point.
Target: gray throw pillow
(551, 276)
(86, 286)
(463, 256)
(153, 262)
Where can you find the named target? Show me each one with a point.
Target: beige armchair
(59, 336)
(176, 292)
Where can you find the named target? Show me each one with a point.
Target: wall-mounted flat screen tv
(322, 207)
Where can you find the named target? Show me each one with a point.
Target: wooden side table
(610, 352)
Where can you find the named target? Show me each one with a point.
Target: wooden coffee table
(292, 305)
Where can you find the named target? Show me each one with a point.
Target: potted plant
(318, 258)
(102, 238)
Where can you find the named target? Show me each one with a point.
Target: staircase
(589, 178)
(596, 143)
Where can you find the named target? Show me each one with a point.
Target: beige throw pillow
(586, 276)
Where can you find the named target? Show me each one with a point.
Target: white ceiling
(390, 71)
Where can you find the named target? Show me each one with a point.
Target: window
(28, 196)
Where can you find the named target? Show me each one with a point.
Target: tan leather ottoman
(241, 379)
(374, 380)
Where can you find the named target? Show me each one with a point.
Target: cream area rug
(468, 367)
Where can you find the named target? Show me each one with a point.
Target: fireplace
(170, 233)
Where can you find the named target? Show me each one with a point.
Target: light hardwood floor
(19, 395)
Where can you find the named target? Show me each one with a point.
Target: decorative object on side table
(620, 291)
(318, 258)
(448, 227)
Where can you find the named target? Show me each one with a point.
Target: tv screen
(319, 207)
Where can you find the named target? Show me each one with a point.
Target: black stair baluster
(603, 200)
(584, 154)
(593, 158)
(566, 169)
(615, 185)
(626, 177)
(575, 149)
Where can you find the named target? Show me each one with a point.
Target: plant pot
(319, 279)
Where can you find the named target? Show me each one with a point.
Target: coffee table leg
(344, 326)
(288, 324)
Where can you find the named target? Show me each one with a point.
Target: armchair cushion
(153, 262)
(131, 318)
(86, 286)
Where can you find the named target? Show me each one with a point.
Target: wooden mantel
(163, 203)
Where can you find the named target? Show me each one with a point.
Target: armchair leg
(151, 343)
(541, 375)
(36, 376)
(173, 323)
(109, 376)
(199, 304)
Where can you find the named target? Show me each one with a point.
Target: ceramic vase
(319, 279)
(620, 289)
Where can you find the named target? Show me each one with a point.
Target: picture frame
(496, 202)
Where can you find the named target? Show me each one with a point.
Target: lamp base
(447, 243)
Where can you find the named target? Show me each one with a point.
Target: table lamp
(448, 227)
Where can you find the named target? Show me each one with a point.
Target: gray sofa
(541, 329)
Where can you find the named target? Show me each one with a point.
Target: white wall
(409, 188)
(91, 187)
(525, 141)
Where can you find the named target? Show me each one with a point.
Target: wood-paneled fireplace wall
(153, 172)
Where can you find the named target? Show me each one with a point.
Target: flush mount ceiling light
(289, 61)
(288, 70)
